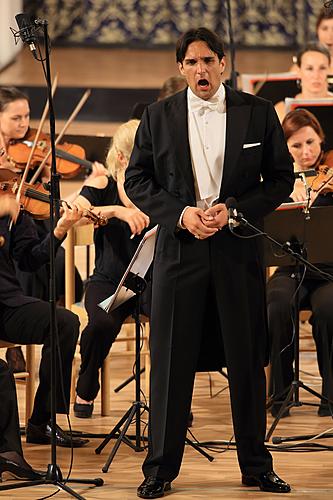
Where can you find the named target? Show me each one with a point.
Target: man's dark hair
(195, 35)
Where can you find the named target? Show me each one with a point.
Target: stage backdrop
(156, 23)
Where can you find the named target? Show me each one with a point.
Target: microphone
(27, 31)
(231, 205)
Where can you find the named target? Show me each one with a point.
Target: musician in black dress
(115, 245)
(305, 139)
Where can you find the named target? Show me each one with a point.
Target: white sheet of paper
(139, 265)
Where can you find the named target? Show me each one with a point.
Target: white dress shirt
(206, 131)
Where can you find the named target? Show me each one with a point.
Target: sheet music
(139, 265)
(292, 204)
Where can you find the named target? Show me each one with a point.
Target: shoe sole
(253, 482)
(48, 441)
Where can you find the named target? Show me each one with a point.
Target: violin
(323, 182)
(70, 157)
(36, 200)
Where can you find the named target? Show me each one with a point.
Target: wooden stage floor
(310, 473)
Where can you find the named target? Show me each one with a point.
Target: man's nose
(201, 68)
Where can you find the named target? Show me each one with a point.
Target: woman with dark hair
(313, 66)
(305, 139)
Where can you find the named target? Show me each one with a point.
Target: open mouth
(203, 83)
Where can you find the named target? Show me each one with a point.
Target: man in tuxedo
(193, 151)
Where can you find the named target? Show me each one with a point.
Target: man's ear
(181, 68)
(223, 64)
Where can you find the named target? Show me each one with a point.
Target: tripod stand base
(53, 477)
(292, 400)
(133, 412)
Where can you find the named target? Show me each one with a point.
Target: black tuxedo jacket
(257, 171)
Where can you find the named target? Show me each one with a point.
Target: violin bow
(40, 126)
(76, 110)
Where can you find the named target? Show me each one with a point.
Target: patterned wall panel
(265, 23)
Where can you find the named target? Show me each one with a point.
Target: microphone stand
(53, 474)
(232, 81)
(292, 397)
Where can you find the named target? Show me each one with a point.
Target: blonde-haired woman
(115, 245)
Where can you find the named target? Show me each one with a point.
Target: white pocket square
(251, 145)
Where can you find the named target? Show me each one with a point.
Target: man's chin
(204, 93)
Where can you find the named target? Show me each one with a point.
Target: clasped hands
(205, 223)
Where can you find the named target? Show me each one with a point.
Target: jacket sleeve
(27, 249)
(142, 184)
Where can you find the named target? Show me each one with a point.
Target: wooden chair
(83, 236)
(28, 377)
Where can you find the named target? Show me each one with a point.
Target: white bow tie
(215, 104)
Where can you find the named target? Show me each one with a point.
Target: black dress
(113, 251)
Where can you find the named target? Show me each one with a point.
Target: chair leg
(30, 387)
(106, 387)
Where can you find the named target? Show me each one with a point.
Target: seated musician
(26, 320)
(313, 67)
(305, 139)
(115, 245)
(15, 128)
(11, 453)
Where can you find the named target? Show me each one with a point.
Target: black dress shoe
(41, 434)
(267, 481)
(153, 487)
(83, 410)
(18, 468)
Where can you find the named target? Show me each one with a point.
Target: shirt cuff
(180, 220)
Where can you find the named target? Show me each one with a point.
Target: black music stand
(272, 86)
(323, 111)
(305, 237)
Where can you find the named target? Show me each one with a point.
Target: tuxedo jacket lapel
(176, 110)
(238, 116)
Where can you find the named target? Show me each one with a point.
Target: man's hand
(71, 214)
(218, 216)
(196, 221)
